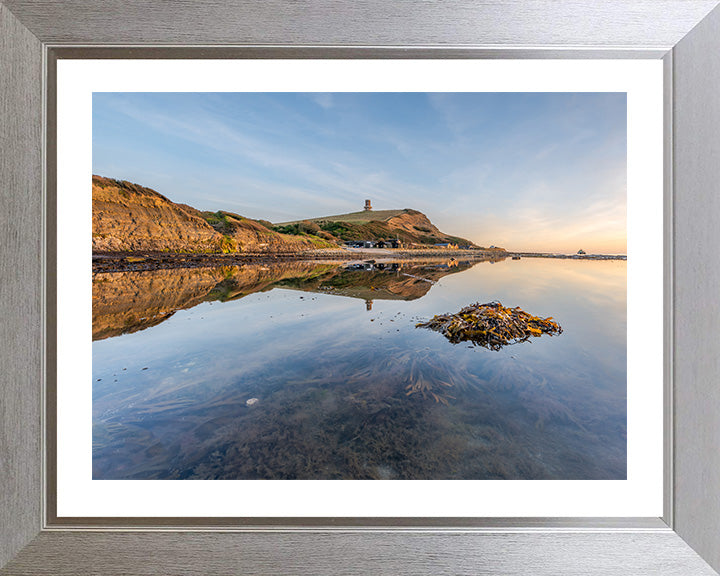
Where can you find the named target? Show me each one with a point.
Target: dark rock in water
(491, 325)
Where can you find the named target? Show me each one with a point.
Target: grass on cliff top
(361, 217)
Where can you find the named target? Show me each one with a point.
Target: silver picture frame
(685, 34)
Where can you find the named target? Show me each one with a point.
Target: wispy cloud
(318, 170)
(323, 99)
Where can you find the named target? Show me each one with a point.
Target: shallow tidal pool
(307, 371)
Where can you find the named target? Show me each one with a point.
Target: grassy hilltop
(409, 226)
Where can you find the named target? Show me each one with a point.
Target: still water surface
(325, 353)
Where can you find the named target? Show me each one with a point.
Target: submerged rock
(251, 401)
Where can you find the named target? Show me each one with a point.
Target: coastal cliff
(128, 217)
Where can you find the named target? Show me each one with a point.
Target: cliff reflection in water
(307, 370)
(125, 302)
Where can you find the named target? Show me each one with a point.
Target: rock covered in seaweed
(491, 325)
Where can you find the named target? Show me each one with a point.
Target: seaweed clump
(491, 325)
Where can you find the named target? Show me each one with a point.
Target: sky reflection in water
(330, 375)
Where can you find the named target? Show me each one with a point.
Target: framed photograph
(301, 307)
(340, 367)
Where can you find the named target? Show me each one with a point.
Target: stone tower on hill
(368, 207)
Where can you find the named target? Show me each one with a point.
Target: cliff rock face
(131, 218)
(128, 217)
(414, 222)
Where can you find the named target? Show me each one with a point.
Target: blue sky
(526, 171)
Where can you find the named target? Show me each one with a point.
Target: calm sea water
(303, 370)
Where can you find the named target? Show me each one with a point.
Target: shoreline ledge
(148, 260)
